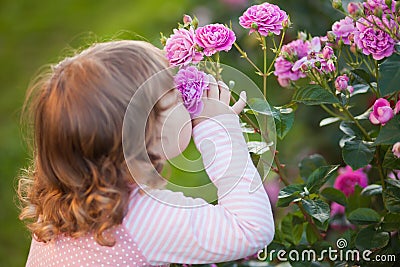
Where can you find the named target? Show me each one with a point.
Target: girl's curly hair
(79, 182)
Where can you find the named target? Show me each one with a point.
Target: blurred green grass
(37, 33)
(33, 34)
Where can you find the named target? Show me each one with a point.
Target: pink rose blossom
(372, 6)
(353, 8)
(283, 69)
(291, 52)
(327, 52)
(395, 174)
(264, 18)
(317, 59)
(214, 38)
(300, 56)
(191, 83)
(342, 83)
(372, 40)
(397, 107)
(344, 29)
(336, 208)
(396, 149)
(381, 112)
(187, 19)
(272, 187)
(181, 48)
(346, 182)
(297, 49)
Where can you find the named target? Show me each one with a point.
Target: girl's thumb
(240, 104)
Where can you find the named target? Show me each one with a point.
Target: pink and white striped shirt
(167, 227)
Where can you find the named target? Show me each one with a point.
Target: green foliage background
(35, 33)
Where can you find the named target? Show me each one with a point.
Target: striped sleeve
(171, 228)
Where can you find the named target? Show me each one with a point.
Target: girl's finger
(213, 91)
(224, 93)
(240, 104)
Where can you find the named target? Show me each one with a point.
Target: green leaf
(350, 236)
(357, 153)
(391, 196)
(261, 106)
(334, 195)
(372, 190)
(288, 194)
(391, 161)
(356, 200)
(314, 95)
(319, 177)
(389, 75)
(350, 129)
(390, 133)
(321, 226)
(310, 164)
(362, 75)
(364, 216)
(310, 235)
(327, 121)
(257, 147)
(291, 229)
(369, 238)
(360, 89)
(318, 209)
(284, 123)
(364, 115)
(391, 222)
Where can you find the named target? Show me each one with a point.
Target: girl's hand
(216, 101)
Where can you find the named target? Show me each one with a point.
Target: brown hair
(79, 182)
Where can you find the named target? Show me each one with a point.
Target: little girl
(85, 207)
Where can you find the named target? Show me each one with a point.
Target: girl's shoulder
(85, 251)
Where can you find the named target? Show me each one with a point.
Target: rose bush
(359, 55)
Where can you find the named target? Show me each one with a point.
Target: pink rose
(323, 61)
(327, 52)
(291, 52)
(344, 29)
(381, 112)
(372, 40)
(372, 6)
(191, 83)
(214, 38)
(395, 174)
(397, 107)
(264, 18)
(181, 48)
(396, 149)
(187, 19)
(353, 8)
(272, 187)
(346, 182)
(342, 83)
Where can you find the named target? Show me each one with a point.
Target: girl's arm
(239, 226)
